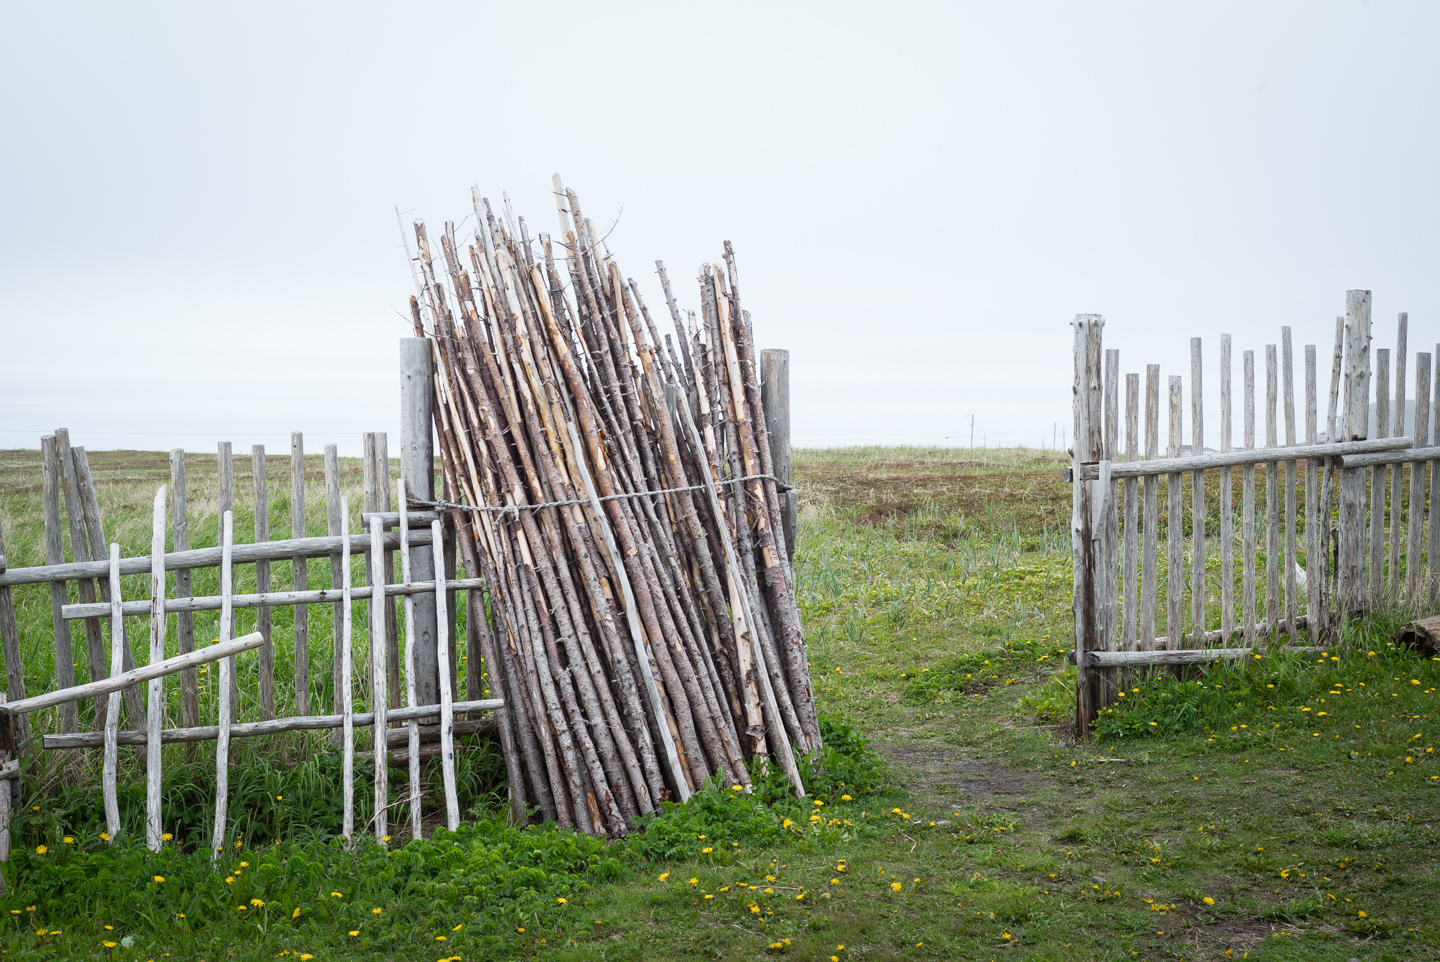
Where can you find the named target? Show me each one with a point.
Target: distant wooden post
(1088, 395)
(55, 554)
(417, 465)
(263, 615)
(1354, 427)
(185, 620)
(300, 575)
(225, 454)
(775, 398)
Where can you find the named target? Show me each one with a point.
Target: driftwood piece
(1421, 637)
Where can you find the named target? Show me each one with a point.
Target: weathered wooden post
(1088, 394)
(417, 460)
(775, 398)
(1354, 427)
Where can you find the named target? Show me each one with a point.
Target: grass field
(1284, 808)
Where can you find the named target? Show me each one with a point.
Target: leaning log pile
(614, 488)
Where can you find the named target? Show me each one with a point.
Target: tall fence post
(1088, 442)
(1354, 427)
(775, 399)
(417, 460)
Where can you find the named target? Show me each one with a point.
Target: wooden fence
(1339, 525)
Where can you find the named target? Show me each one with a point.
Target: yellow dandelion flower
(439, 938)
(41, 850)
(105, 836)
(109, 945)
(375, 911)
(896, 886)
(664, 876)
(166, 837)
(1208, 900)
(258, 903)
(159, 878)
(68, 840)
(560, 901)
(295, 914)
(706, 851)
(354, 932)
(694, 881)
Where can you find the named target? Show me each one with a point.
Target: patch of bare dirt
(944, 775)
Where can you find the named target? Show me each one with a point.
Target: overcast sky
(198, 239)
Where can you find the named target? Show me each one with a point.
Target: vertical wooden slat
(185, 620)
(134, 709)
(1432, 564)
(7, 802)
(1314, 558)
(1414, 564)
(300, 574)
(10, 647)
(1227, 510)
(412, 726)
(263, 614)
(1149, 571)
(1397, 430)
(442, 658)
(1247, 520)
(1175, 531)
(1132, 514)
(226, 458)
(1110, 530)
(1328, 568)
(223, 712)
(1355, 425)
(80, 551)
(111, 761)
(155, 707)
(1375, 580)
(392, 631)
(1198, 511)
(347, 705)
(1083, 547)
(1272, 490)
(1287, 356)
(336, 523)
(59, 591)
(379, 672)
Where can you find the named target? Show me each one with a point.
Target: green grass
(935, 593)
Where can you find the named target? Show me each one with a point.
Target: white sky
(198, 242)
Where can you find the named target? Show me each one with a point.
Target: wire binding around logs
(515, 508)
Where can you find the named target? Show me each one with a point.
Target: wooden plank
(1354, 426)
(10, 648)
(1327, 485)
(1408, 456)
(379, 676)
(1247, 518)
(291, 723)
(226, 460)
(1199, 514)
(1131, 561)
(1082, 545)
(1110, 529)
(1287, 370)
(111, 761)
(299, 573)
(1227, 484)
(262, 581)
(155, 704)
(1414, 560)
(392, 629)
(336, 525)
(1432, 554)
(1314, 553)
(1149, 571)
(1202, 657)
(80, 551)
(412, 730)
(227, 670)
(1175, 530)
(184, 621)
(1375, 576)
(775, 399)
(369, 503)
(1272, 489)
(347, 705)
(7, 802)
(55, 554)
(417, 460)
(1162, 466)
(442, 658)
(1397, 428)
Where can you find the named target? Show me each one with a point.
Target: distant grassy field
(1285, 808)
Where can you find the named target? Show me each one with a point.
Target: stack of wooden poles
(616, 494)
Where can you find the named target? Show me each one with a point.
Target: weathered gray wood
(1247, 518)
(379, 675)
(1314, 553)
(1432, 554)
(1109, 556)
(1328, 569)
(155, 702)
(1227, 511)
(262, 581)
(1392, 579)
(80, 551)
(1162, 466)
(1272, 490)
(1149, 571)
(775, 398)
(442, 657)
(412, 730)
(417, 461)
(1198, 511)
(347, 704)
(1175, 529)
(1375, 577)
(184, 621)
(1407, 456)
(1201, 657)
(111, 761)
(392, 629)
(10, 647)
(1354, 426)
(226, 459)
(223, 713)
(1082, 545)
(1287, 354)
(7, 787)
(1131, 560)
(336, 524)
(1414, 561)
(291, 723)
(300, 574)
(55, 554)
